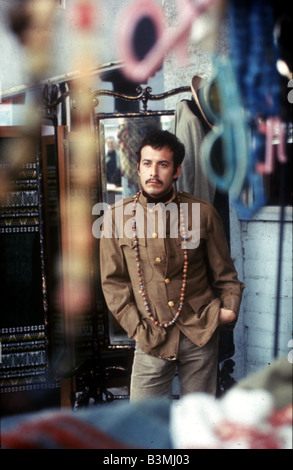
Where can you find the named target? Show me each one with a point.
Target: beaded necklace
(139, 271)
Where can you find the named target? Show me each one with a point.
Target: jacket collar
(144, 199)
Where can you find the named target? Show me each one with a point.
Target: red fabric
(58, 432)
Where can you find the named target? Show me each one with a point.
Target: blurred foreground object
(259, 418)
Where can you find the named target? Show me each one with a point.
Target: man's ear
(137, 167)
(177, 172)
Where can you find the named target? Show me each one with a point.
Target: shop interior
(61, 349)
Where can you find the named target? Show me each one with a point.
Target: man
(113, 163)
(169, 295)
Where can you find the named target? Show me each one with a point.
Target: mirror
(119, 140)
(119, 135)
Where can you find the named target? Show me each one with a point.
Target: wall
(206, 37)
(65, 48)
(255, 248)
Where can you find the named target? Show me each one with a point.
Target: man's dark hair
(158, 139)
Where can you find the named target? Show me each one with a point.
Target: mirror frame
(144, 95)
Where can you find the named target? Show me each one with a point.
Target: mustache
(154, 180)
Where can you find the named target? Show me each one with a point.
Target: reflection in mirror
(119, 140)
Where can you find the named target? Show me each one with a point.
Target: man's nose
(154, 169)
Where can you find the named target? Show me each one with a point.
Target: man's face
(111, 145)
(156, 171)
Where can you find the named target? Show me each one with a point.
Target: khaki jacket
(212, 280)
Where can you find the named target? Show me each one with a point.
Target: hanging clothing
(113, 168)
(190, 130)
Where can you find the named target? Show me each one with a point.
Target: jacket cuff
(231, 303)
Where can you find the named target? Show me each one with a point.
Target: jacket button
(171, 303)
(158, 260)
(167, 281)
(155, 235)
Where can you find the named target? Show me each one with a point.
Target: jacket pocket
(199, 303)
(204, 313)
(150, 336)
(127, 241)
(127, 245)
